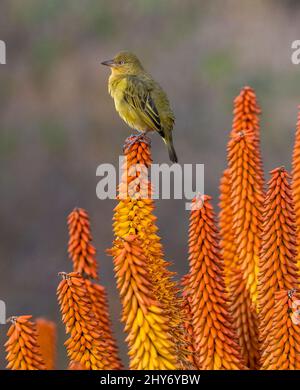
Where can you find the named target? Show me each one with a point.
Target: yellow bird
(140, 100)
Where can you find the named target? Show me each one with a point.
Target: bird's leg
(140, 137)
(138, 132)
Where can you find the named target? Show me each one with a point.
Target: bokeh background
(58, 123)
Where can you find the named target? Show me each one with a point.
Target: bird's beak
(108, 63)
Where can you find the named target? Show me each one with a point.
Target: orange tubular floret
(86, 343)
(46, 331)
(277, 265)
(80, 249)
(282, 349)
(150, 344)
(134, 216)
(215, 339)
(23, 351)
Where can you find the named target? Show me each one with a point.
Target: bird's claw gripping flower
(134, 138)
(64, 275)
(11, 319)
(291, 292)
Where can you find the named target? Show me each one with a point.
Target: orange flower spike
(46, 332)
(150, 345)
(23, 351)
(215, 340)
(277, 265)
(82, 252)
(80, 249)
(242, 309)
(296, 182)
(134, 216)
(282, 349)
(86, 343)
(100, 308)
(247, 201)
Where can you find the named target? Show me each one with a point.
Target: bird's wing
(138, 96)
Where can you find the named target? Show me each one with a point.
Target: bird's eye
(121, 62)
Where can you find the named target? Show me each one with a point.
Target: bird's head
(124, 63)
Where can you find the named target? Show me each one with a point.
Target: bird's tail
(169, 142)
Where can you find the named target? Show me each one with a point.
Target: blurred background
(58, 123)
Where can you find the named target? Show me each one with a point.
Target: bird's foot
(137, 132)
(136, 138)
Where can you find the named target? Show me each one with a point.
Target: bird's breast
(117, 86)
